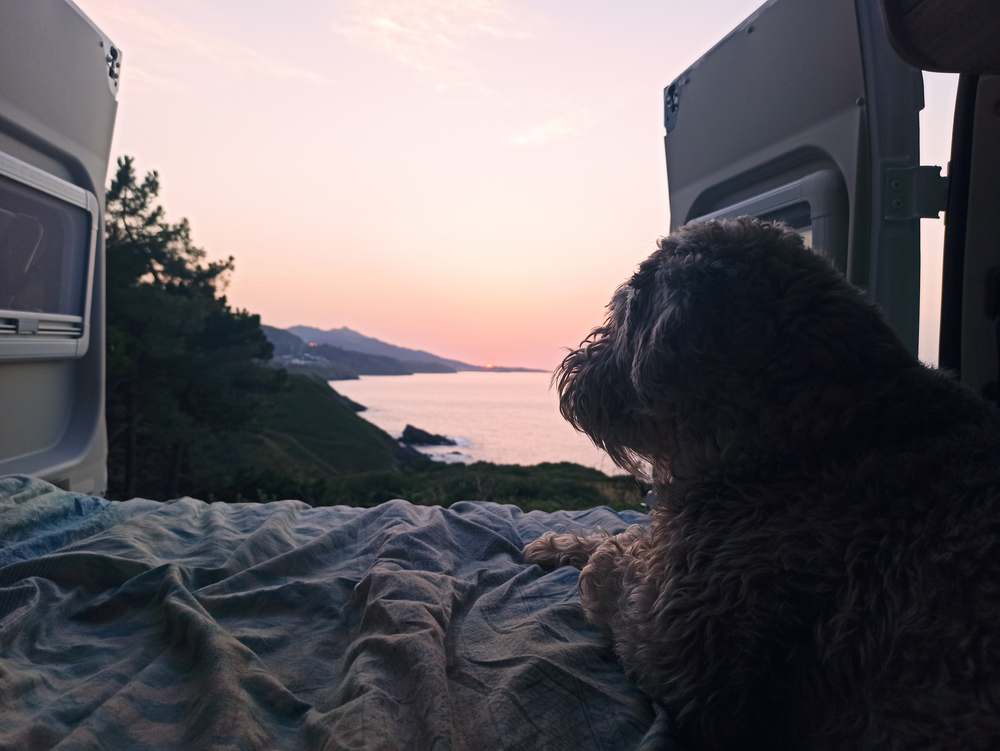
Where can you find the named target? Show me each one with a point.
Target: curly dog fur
(822, 569)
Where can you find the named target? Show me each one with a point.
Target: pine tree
(183, 368)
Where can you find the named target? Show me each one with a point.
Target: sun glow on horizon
(525, 182)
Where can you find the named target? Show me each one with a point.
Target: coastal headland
(343, 354)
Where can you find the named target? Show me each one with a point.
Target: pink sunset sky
(469, 177)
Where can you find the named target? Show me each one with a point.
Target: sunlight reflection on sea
(505, 418)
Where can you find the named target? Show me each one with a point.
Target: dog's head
(732, 344)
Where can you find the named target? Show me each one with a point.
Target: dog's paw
(551, 550)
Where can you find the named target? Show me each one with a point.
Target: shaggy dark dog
(822, 569)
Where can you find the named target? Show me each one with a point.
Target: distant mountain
(285, 342)
(336, 363)
(413, 360)
(352, 340)
(361, 362)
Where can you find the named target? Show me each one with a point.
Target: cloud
(430, 35)
(140, 30)
(140, 77)
(555, 130)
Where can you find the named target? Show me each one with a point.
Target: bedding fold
(188, 625)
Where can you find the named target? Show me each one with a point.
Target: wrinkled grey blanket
(187, 625)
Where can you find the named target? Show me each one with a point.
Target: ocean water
(506, 418)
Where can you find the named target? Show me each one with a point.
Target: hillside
(307, 434)
(309, 424)
(285, 343)
(416, 359)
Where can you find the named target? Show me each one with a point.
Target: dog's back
(823, 570)
(918, 613)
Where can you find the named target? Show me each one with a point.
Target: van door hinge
(915, 192)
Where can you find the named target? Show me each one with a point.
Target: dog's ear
(671, 330)
(668, 324)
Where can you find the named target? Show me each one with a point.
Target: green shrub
(545, 487)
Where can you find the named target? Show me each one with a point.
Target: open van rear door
(58, 87)
(963, 36)
(804, 113)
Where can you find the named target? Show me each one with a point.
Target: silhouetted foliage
(539, 487)
(182, 366)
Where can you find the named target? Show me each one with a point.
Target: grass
(305, 435)
(543, 487)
